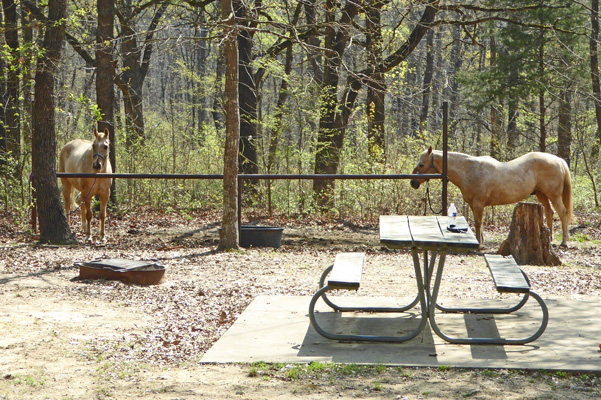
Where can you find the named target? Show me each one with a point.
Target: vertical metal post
(445, 144)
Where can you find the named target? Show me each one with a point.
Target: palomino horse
(484, 181)
(83, 156)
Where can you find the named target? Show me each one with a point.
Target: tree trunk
(218, 117)
(375, 108)
(495, 148)
(315, 58)
(136, 59)
(409, 120)
(247, 90)
(542, 117)
(564, 130)
(3, 148)
(456, 61)
(229, 238)
(512, 126)
(595, 75)
(512, 110)
(529, 240)
(10, 99)
(274, 138)
(335, 114)
(27, 87)
(201, 69)
(105, 90)
(132, 88)
(54, 227)
(427, 83)
(435, 114)
(541, 97)
(331, 127)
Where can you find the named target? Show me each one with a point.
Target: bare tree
(10, 98)
(54, 227)
(564, 129)
(135, 54)
(335, 111)
(595, 73)
(229, 227)
(105, 89)
(376, 88)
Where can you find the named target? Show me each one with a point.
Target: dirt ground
(66, 338)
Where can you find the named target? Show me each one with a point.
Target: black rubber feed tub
(260, 236)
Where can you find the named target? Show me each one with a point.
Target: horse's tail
(567, 190)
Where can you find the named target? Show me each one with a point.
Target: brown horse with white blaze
(484, 181)
(83, 156)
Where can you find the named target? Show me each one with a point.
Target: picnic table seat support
(346, 275)
(508, 278)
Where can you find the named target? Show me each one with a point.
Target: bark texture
(529, 240)
(229, 230)
(54, 227)
(105, 90)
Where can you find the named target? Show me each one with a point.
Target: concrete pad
(277, 329)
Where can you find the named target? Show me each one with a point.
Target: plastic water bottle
(452, 214)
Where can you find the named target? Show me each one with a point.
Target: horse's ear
(106, 132)
(430, 150)
(95, 132)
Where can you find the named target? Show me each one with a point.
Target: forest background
(324, 87)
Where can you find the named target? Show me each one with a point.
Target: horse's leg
(67, 192)
(557, 202)
(102, 215)
(86, 218)
(544, 200)
(478, 211)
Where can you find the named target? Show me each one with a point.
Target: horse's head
(100, 149)
(425, 165)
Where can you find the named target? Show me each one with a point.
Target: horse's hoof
(564, 245)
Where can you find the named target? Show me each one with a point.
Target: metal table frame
(419, 235)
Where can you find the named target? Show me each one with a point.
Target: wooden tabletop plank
(458, 239)
(394, 228)
(425, 231)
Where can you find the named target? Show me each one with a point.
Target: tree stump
(529, 240)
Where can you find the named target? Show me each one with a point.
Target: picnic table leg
(441, 260)
(421, 291)
(428, 272)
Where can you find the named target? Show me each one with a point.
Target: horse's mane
(454, 154)
(462, 156)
